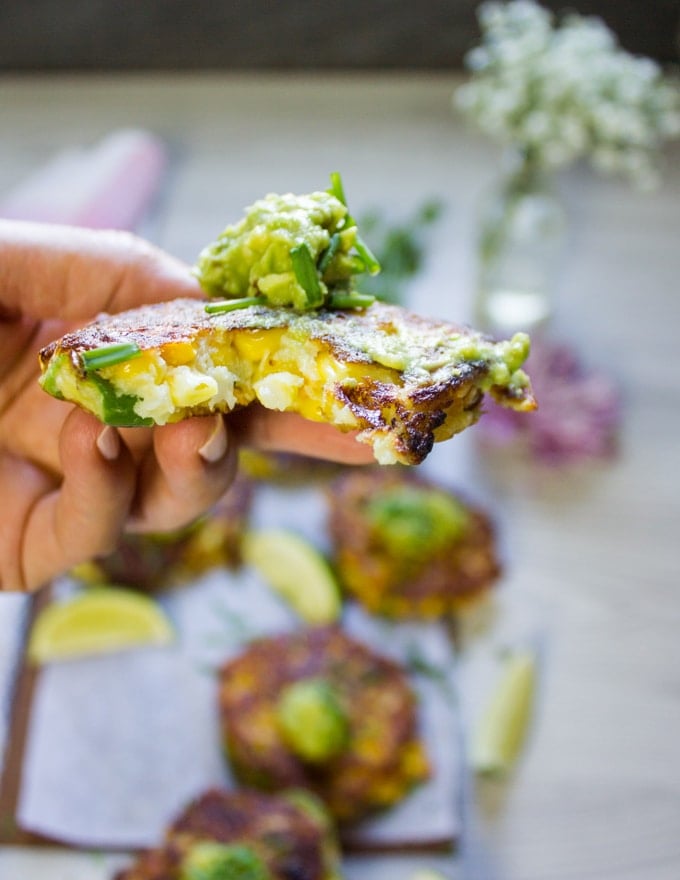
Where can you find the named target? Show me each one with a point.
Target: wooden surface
(597, 551)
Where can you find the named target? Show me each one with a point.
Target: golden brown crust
(182, 320)
(383, 758)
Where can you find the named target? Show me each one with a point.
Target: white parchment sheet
(118, 744)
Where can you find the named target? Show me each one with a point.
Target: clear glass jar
(521, 238)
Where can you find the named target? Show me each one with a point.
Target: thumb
(70, 273)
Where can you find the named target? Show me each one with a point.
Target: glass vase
(521, 238)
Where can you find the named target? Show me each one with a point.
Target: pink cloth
(106, 186)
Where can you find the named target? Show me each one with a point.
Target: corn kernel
(255, 345)
(178, 353)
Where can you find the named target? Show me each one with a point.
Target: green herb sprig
(307, 275)
(368, 258)
(109, 355)
(232, 305)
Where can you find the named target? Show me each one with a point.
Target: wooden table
(598, 793)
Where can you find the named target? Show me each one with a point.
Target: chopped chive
(352, 300)
(231, 305)
(329, 253)
(336, 188)
(306, 274)
(370, 261)
(109, 355)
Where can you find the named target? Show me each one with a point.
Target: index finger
(272, 431)
(71, 273)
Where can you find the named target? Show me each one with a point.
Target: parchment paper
(118, 743)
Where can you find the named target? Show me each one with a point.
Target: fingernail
(108, 443)
(215, 446)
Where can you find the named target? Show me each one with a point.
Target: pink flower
(578, 414)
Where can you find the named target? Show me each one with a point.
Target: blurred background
(45, 35)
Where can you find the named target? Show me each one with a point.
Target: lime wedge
(297, 571)
(503, 727)
(99, 620)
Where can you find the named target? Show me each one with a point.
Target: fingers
(191, 466)
(60, 271)
(186, 468)
(287, 432)
(55, 527)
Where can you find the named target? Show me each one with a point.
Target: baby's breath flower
(561, 91)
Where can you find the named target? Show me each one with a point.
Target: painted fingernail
(108, 443)
(215, 446)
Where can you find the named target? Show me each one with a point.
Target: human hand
(69, 485)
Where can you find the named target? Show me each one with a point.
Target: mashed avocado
(311, 720)
(210, 860)
(415, 521)
(289, 251)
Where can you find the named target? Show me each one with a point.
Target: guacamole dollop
(311, 720)
(414, 522)
(211, 860)
(291, 251)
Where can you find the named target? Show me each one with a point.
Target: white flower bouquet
(559, 91)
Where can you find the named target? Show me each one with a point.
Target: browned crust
(374, 693)
(413, 414)
(185, 319)
(288, 841)
(386, 584)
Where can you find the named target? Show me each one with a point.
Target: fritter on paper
(408, 547)
(320, 710)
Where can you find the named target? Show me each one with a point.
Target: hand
(69, 486)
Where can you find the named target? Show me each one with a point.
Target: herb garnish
(109, 355)
(369, 260)
(307, 274)
(231, 305)
(349, 299)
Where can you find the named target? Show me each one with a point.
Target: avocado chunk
(312, 721)
(220, 861)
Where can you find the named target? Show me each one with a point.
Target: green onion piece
(370, 261)
(306, 274)
(336, 188)
(231, 305)
(109, 355)
(329, 253)
(352, 300)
